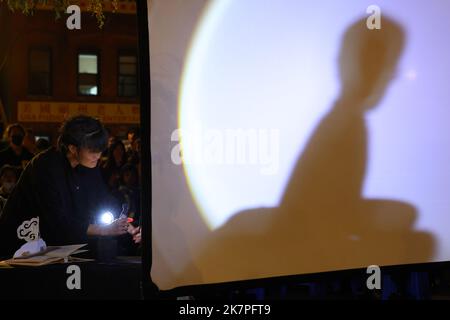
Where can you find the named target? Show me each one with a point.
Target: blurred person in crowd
(9, 176)
(15, 154)
(129, 188)
(132, 134)
(115, 160)
(134, 154)
(111, 141)
(8, 179)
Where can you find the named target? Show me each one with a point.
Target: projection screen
(294, 136)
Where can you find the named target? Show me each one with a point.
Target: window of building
(39, 72)
(88, 75)
(127, 75)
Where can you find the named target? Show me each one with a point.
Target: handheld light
(106, 217)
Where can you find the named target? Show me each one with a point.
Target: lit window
(88, 76)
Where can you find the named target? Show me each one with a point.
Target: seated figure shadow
(323, 222)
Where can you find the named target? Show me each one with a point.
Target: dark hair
(83, 132)
(12, 126)
(110, 161)
(8, 167)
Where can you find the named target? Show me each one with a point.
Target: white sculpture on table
(29, 231)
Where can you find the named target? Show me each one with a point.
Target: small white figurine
(29, 231)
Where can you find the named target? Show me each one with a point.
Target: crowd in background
(120, 164)
(121, 169)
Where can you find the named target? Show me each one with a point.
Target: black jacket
(65, 199)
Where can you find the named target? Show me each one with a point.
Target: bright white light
(93, 91)
(106, 217)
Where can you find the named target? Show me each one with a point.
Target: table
(117, 279)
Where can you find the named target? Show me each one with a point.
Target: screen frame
(214, 290)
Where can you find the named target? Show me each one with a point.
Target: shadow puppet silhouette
(323, 223)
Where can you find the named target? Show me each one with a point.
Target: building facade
(48, 72)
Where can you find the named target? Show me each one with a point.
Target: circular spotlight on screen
(291, 170)
(255, 84)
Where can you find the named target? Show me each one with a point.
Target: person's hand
(116, 228)
(135, 233)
